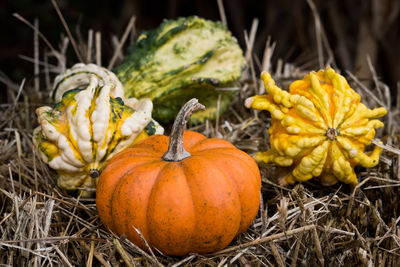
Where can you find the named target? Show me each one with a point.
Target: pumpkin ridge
(191, 197)
(222, 176)
(217, 160)
(191, 139)
(156, 180)
(179, 167)
(119, 189)
(225, 153)
(191, 194)
(210, 144)
(111, 187)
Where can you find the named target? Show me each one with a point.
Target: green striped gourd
(78, 77)
(181, 59)
(89, 125)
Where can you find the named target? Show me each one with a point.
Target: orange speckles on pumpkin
(194, 205)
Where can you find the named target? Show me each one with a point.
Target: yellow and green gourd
(78, 77)
(88, 125)
(319, 128)
(181, 59)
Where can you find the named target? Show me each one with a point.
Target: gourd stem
(175, 151)
(94, 173)
(332, 133)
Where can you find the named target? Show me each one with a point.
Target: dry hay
(306, 224)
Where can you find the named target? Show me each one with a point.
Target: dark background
(353, 28)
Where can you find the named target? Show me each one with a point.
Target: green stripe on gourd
(86, 128)
(78, 77)
(182, 59)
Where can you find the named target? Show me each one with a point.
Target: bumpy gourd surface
(319, 128)
(86, 128)
(181, 59)
(78, 77)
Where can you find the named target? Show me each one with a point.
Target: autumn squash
(87, 127)
(183, 58)
(184, 194)
(319, 128)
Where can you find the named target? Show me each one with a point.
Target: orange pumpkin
(184, 194)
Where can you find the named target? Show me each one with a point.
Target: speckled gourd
(183, 58)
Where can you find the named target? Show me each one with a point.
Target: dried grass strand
(36, 56)
(222, 14)
(365, 89)
(98, 48)
(74, 45)
(266, 239)
(122, 42)
(19, 17)
(155, 260)
(97, 255)
(125, 256)
(276, 254)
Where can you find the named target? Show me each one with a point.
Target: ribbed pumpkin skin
(198, 204)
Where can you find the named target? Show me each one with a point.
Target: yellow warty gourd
(319, 128)
(88, 125)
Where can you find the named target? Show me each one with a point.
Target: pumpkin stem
(175, 151)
